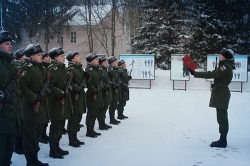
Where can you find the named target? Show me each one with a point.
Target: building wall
(81, 44)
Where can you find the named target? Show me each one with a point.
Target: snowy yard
(164, 128)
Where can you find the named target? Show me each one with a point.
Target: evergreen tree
(219, 24)
(165, 30)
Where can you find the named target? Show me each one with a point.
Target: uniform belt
(221, 85)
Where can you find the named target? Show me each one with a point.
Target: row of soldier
(40, 88)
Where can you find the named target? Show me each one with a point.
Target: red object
(189, 62)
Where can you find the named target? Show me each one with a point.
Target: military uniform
(58, 112)
(106, 96)
(18, 141)
(31, 84)
(124, 93)
(115, 86)
(93, 96)
(220, 95)
(9, 113)
(78, 103)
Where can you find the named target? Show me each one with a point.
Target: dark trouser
(102, 113)
(55, 131)
(6, 148)
(120, 106)
(112, 108)
(222, 119)
(31, 134)
(91, 116)
(74, 123)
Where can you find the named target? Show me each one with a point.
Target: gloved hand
(65, 95)
(191, 71)
(129, 77)
(39, 98)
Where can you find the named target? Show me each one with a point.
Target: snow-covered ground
(165, 128)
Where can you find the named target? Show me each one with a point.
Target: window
(72, 37)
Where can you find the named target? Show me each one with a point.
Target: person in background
(220, 95)
(9, 106)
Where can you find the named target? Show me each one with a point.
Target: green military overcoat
(124, 90)
(57, 84)
(93, 74)
(223, 75)
(9, 114)
(79, 106)
(30, 85)
(115, 84)
(106, 91)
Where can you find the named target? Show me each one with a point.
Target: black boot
(77, 140)
(62, 152)
(120, 116)
(54, 153)
(72, 141)
(102, 125)
(29, 160)
(90, 133)
(64, 131)
(44, 137)
(125, 117)
(107, 126)
(97, 134)
(221, 143)
(36, 161)
(18, 146)
(113, 120)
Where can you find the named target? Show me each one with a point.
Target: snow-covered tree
(219, 24)
(165, 30)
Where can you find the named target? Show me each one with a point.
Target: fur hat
(227, 53)
(32, 49)
(19, 53)
(4, 36)
(91, 57)
(120, 62)
(71, 55)
(56, 51)
(102, 59)
(111, 59)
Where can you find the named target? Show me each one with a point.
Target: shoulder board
(222, 68)
(29, 65)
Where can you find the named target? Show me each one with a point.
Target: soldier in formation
(34, 104)
(9, 112)
(60, 107)
(77, 96)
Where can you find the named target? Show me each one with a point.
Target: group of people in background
(36, 88)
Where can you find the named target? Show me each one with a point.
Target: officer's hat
(227, 53)
(101, 59)
(56, 51)
(71, 55)
(91, 57)
(120, 62)
(111, 59)
(19, 53)
(45, 53)
(4, 36)
(32, 49)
